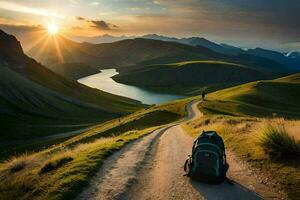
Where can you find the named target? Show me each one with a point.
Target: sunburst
(52, 29)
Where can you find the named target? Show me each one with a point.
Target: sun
(52, 29)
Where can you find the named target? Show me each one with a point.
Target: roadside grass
(276, 141)
(62, 174)
(63, 170)
(243, 136)
(163, 114)
(19, 163)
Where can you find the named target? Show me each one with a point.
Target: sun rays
(52, 29)
(50, 39)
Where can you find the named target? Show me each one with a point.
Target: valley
(104, 82)
(192, 77)
(76, 126)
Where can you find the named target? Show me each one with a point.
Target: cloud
(77, 28)
(101, 25)
(19, 29)
(98, 24)
(80, 18)
(6, 5)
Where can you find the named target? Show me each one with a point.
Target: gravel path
(152, 168)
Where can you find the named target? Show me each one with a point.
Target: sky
(270, 24)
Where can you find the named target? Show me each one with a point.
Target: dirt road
(152, 168)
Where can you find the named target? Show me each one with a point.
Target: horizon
(259, 24)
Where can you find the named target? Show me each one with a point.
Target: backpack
(208, 160)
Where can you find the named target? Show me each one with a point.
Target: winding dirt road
(152, 168)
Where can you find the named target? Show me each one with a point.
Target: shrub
(55, 163)
(278, 143)
(17, 165)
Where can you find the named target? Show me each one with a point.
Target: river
(104, 82)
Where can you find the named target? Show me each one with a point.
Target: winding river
(104, 82)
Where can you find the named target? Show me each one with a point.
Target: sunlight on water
(103, 81)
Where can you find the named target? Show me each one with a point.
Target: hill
(37, 102)
(279, 97)
(291, 61)
(191, 77)
(130, 52)
(198, 41)
(127, 52)
(74, 70)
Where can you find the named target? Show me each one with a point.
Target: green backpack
(208, 160)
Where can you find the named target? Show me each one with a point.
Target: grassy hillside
(36, 103)
(191, 77)
(63, 170)
(242, 136)
(74, 70)
(127, 53)
(108, 55)
(279, 97)
(262, 116)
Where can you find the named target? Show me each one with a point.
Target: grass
(17, 163)
(278, 143)
(279, 98)
(243, 136)
(210, 62)
(37, 103)
(57, 175)
(186, 78)
(56, 163)
(259, 122)
(63, 170)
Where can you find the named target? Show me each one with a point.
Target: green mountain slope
(74, 70)
(279, 97)
(192, 76)
(126, 54)
(35, 101)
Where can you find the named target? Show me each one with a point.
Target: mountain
(192, 41)
(192, 77)
(275, 56)
(101, 38)
(226, 49)
(131, 52)
(37, 102)
(294, 55)
(59, 50)
(74, 70)
(279, 97)
(199, 41)
(54, 50)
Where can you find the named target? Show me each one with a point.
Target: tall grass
(16, 164)
(276, 141)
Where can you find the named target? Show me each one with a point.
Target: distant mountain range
(135, 60)
(76, 59)
(294, 55)
(198, 41)
(231, 50)
(35, 101)
(143, 51)
(58, 50)
(101, 38)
